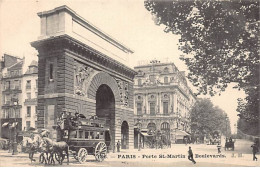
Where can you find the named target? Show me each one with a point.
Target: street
(204, 155)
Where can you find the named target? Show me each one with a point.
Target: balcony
(15, 89)
(30, 101)
(28, 87)
(14, 74)
(157, 115)
(11, 104)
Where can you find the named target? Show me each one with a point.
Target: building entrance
(105, 107)
(125, 135)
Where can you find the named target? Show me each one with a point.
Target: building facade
(82, 69)
(162, 100)
(30, 93)
(13, 94)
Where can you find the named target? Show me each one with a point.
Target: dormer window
(166, 70)
(165, 80)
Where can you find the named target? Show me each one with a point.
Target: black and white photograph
(129, 83)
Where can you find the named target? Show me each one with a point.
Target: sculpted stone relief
(123, 91)
(82, 73)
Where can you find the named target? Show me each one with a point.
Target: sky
(125, 20)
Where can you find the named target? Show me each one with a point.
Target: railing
(158, 115)
(12, 87)
(31, 100)
(12, 74)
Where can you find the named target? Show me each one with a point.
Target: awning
(5, 124)
(145, 134)
(181, 133)
(14, 124)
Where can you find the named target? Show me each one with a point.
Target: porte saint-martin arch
(82, 69)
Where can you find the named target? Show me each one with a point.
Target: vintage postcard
(154, 83)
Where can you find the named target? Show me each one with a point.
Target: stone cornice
(65, 42)
(159, 89)
(87, 25)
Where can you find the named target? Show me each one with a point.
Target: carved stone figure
(82, 73)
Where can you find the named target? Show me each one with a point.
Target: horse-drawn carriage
(230, 144)
(157, 139)
(79, 137)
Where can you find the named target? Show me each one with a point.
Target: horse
(55, 148)
(32, 144)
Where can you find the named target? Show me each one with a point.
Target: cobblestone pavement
(205, 155)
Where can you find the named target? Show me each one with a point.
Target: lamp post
(15, 152)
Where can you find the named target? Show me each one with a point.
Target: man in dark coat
(118, 146)
(190, 156)
(255, 150)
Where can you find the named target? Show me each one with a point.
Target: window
(91, 135)
(28, 125)
(86, 135)
(28, 111)
(139, 108)
(166, 70)
(51, 71)
(139, 82)
(165, 107)
(28, 95)
(36, 83)
(152, 108)
(80, 134)
(97, 135)
(8, 85)
(17, 84)
(165, 80)
(28, 84)
(152, 78)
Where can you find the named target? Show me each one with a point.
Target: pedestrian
(219, 147)
(118, 146)
(190, 156)
(32, 148)
(255, 150)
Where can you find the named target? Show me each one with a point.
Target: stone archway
(97, 80)
(125, 135)
(104, 90)
(105, 108)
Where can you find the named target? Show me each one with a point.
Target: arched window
(165, 128)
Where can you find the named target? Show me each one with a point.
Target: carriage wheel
(100, 151)
(82, 155)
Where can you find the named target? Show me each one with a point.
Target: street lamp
(15, 152)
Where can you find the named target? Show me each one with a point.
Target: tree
(221, 41)
(207, 118)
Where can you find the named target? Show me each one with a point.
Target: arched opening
(165, 128)
(105, 108)
(125, 135)
(137, 135)
(151, 127)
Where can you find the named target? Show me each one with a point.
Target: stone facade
(162, 99)
(80, 77)
(18, 93)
